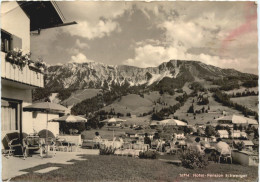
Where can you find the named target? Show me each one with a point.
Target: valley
(144, 94)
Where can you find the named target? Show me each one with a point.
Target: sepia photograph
(158, 91)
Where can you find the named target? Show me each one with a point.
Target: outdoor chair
(60, 146)
(47, 145)
(88, 144)
(12, 144)
(30, 143)
(174, 149)
(195, 148)
(225, 157)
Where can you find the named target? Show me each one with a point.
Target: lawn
(216, 111)
(250, 102)
(80, 95)
(119, 168)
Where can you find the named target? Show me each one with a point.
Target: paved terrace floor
(16, 166)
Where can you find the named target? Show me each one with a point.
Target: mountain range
(174, 73)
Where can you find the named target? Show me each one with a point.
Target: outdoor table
(69, 144)
(113, 144)
(183, 146)
(143, 147)
(127, 145)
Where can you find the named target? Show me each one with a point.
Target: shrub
(239, 146)
(192, 159)
(148, 155)
(106, 150)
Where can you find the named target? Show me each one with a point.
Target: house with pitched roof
(19, 74)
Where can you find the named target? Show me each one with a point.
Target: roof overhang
(43, 14)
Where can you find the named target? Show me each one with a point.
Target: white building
(18, 20)
(222, 134)
(238, 134)
(236, 119)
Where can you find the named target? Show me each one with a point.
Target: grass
(136, 105)
(250, 102)
(131, 103)
(118, 168)
(216, 111)
(80, 95)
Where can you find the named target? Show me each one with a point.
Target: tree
(161, 92)
(249, 130)
(203, 109)
(191, 109)
(256, 134)
(240, 127)
(210, 131)
(235, 127)
(157, 116)
(218, 127)
(203, 101)
(228, 130)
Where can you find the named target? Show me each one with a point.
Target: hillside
(139, 106)
(102, 91)
(80, 95)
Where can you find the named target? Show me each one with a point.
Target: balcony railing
(26, 75)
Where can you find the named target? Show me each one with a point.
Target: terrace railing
(27, 75)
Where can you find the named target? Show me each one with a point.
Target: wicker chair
(12, 144)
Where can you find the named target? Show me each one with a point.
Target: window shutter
(16, 42)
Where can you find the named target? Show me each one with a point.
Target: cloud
(185, 32)
(153, 55)
(47, 37)
(93, 30)
(81, 44)
(79, 58)
(93, 11)
(151, 33)
(72, 51)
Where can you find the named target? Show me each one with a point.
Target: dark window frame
(6, 37)
(18, 109)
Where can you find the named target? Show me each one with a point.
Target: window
(10, 115)
(5, 41)
(9, 41)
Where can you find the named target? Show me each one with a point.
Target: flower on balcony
(17, 59)
(40, 64)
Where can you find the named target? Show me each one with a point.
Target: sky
(145, 34)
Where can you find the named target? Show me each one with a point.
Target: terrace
(87, 165)
(15, 166)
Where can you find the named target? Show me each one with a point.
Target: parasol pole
(46, 144)
(113, 133)
(47, 134)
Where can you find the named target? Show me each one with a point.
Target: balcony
(27, 75)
